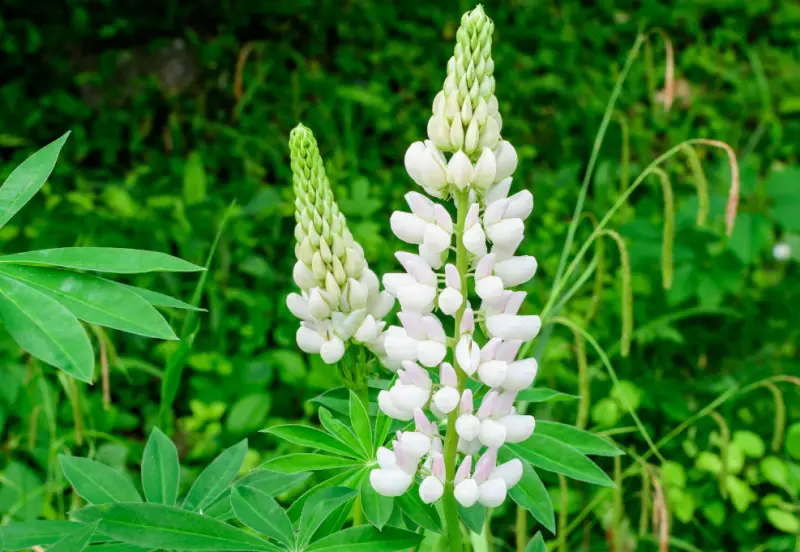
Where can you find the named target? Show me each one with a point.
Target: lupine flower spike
(340, 299)
(464, 159)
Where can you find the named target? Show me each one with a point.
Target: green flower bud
(325, 246)
(465, 112)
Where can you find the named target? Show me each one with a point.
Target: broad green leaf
(75, 541)
(531, 494)
(338, 400)
(296, 463)
(783, 520)
(367, 539)
(272, 483)
(160, 526)
(19, 536)
(540, 394)
(217, 477)
(424, 515)
(94, 299)
(45, 329)
(160, 469)
(377, 508)
(340, 479)
(552, 455)
(536, 544)
(583, 441)
(103, 259)
(159, 299)
(318, 508)
(28, 178)
(383, 424)
(338, 429)
(97, 483)
(311, 437)
(260, 512)
(360, 422)
(793, 440)
(194, 179)
(473, 517)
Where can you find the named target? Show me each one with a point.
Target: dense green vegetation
(178, 109)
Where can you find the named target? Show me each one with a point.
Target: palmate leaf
(19, 536)
(262, 513)
(473, 517)
(530, 493)
(424, 515)
(359, 419)
(318, 509)
(97, 483)
(338, 429)
(159, 299)
(28, 178)
(536, 544)
(75, 541)
(347, 478)
(103, 259)
(160, 469)
(311, 437)
(367, 539)
(552, 455)
(45, 329)
(216, 478)
(376, 507)
(540, 394)
(167, 527)
(296, 463)
(94, 300)
(583, 441)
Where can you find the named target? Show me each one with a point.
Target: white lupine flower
(468, 354)
(467, 424)
(518, 427)
(459, 170)
(474, 237)
(451, 298)
(408, 227)
(506, 159)
(432, 487)
(516, 270)
(510, 472)
(485, 170)
(390, 482)
(487, 286)
(492, 493)
(509, 326)
(332, 350)
(498, 191)
(466, 489)
(521, 374)
(447, 398)
(422, 338)
(425, 165)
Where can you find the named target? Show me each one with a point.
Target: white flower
(408, 227)
(506, 158)
(498, 191)
(416, 290)
(510, 472)
(392, 482)
(425, 165)
(493, 373)
(518, 427)
(298, 305)
(466, 493)
(332, 350)
(459, 169)
(447, 398)
(492, 493)
(309, 340)
(782, 251)
(509, 326)
(485, 169)
(516, 270)
(468, 354)
(492, 434)
(521, 374)
(474, 238)
(488, 287)
(431, 489)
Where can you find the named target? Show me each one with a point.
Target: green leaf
(474, 517)
(750, 235)
(75, 541)
(118, 547)
(583, 441)
(94, 299)
(97, 483)
(793, 440)
(367, 539)
(536, 544)
(383, 424)
(103, 259)
(159, 299)
(260, 512)
(783, 521)
(311, 437)
(160, 526)
(272, 483)
(338, 429)
(194, 179)
(46, 329)
(341, 479)
(296, 463)
(783, 188)
(28, 178)
(27, 534)
(541, 394)
(216, 478)
(377, 508)
(360, 422)
(160, 469)
(531, 494)
(551, 455)
(751, 443)
(424, 515)
(318, 508)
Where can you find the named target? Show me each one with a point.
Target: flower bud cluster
(340, 297)
(489, 231)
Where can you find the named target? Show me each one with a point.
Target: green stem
(521, 529)
(563, 515)
(452, 523)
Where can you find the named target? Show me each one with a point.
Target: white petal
(415, 444)
(518, 427)
(490, 288)
(431, 490)
(395, 280)
(459, 170)
(401, 348)
(387, 406)
(439, 131)
(317, 306)
(516, 270)
(310, 341)
(492, 493)
(446, 399)
(381, 305)
(386, 458)
(450, 301)
(332, 351)
(485, 169)
(493, 373)
(520, 205)
(417, 267)
(506, 157)
(303, 276)
(436, 238)
(414, 325)
(417, 298)
(492, 434)
(468, 426)
(435, 259)
(392, 482)
(474, 240)
(421, 206)
(431, 353)
(298, 306)
(466, 493)
(510, 472)
(412, 160)
(498, 191)
(409, 397)
(507, 233)
(510, 326)
(468, 355)
(432, 172)
(408, 227)
(521, 374)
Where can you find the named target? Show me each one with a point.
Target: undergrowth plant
(430, 431)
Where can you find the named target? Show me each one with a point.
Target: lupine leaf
(75, 541)
(367, 539)
(531, 494)
(45, 329)
(552, 455)
(424, 515)
(377, 508)
(261, 512)
(311, 437)
(116, 260)
(474, 517)
(344, 478)
(296, 463)
(159, 299)
(273, 483)
(160, 469)
(216, 478)
(160, 526)
(540, 394)
(94, 299)
(22, 535)
(97, 483)
(536, 544)
(28, 178)
(360, 422)
(318, 508)
(338, 429)
(583, 441)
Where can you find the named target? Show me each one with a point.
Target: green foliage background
(178, 108)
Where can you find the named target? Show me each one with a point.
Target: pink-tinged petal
(422, 423)
(515, 301)
(487, 404)
(413, 325)
(404, 377)
(421, 206)
(447, 375)
(438, 467)
(464, 470)
(508, 350)
(504, 403)
(467, 321)
(484, 267)
(443, 219)
(451, 277)
(417, 267)
(466, 406)
(420, 376)
(489, 351)
(433, 329)
(485, 465)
